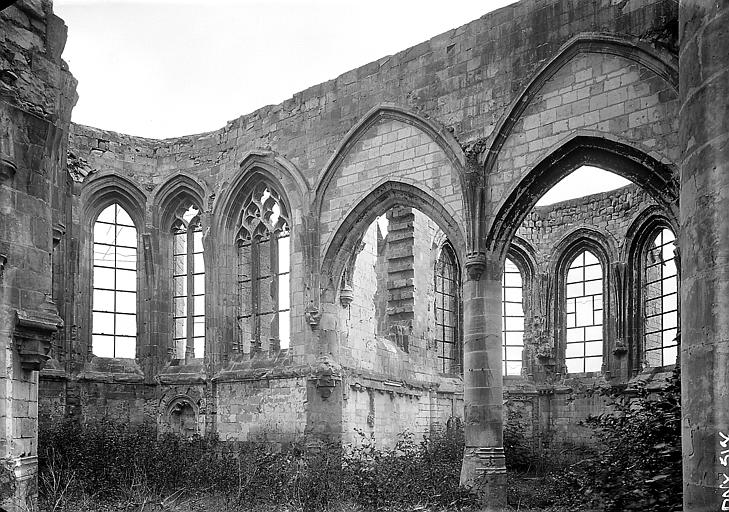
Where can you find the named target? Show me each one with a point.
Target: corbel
(34, 333)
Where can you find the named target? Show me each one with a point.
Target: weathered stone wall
(271, 410)
(558, 403)
(37, 94)
(609, 213)
(477, 110)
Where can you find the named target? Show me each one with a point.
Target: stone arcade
(368, 254)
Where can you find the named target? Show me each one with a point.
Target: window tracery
(188, 283)
(114, 278)
(263, 241)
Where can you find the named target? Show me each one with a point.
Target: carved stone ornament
(346, 295)
(59, 229)
(620, 348)
(3, 261)
(544, 351)
(475, 265)
(325, 383)
(313, 316)
(34, 334)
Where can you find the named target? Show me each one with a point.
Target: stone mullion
(255, 294)
(189, 343)
(274, 290)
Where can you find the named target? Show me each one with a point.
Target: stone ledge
(131, 378)
(239, 373)
(358, 379)
(182, 378)
(53, 374)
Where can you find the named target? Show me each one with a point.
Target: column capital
(475, 265)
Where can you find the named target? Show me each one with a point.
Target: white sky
(166, 68)
(583, 181)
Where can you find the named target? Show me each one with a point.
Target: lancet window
(512, 319)
(114, 297)
(188, 283)
(447, 304)
(660, 300)
(584, 314)
(263, 241)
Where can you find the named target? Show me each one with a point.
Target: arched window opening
(584, 314)
(188, 282)
(660, 300)
(512, 319)
(263, 272)
(114, 301)
(583, 181)
(447, 304)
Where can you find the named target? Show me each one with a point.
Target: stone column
(483, 458)
(704, 243)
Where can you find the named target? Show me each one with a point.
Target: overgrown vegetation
(639, 464)
(113, 465)
(635, 464)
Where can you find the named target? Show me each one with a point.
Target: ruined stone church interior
(372, 253)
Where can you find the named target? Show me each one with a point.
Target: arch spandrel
(661, 63)
(377, 116)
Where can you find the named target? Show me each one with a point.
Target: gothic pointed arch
(516, 304)
(584, 299)
(386, 195)
(649, 219)
(523, 255)
(662, 64)
(180, 188)
(103, 190)
(438, 133)
(653, 290)
(658, 179)
(261, 166)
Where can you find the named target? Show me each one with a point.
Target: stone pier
(704, 130)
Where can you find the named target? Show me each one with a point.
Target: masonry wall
(390, 332)
(270, 411)
(549, 402)
(37, 94)
(478, 108)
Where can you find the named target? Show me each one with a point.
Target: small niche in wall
(182, 418)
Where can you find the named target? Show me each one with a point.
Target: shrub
(638, 466)
(425, 473)
(518, 451)
(633, 464)
(113, 463)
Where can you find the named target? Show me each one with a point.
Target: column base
(484, 471)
